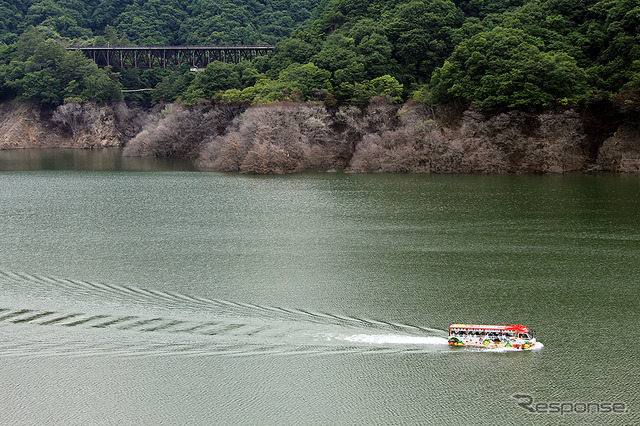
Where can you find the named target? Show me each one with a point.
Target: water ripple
(196, 326)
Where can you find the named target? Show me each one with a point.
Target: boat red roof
(515, 327)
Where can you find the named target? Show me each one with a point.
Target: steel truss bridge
(170, 56)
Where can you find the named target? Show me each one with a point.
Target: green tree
(152, 22)
(422, 34)
(173, 84)
(507, 67)
(620, 46)
(43, 71)
(268, 91)
(376, 51)
(84, 80)
(288, 52)
(338, 52)
(482, 8)
(385, 86)
(306, 79)
(217, 77)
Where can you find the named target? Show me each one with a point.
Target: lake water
(142, 291)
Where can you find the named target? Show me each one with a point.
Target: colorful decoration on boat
(509, 336)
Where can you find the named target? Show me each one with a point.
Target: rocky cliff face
(621, 152)
(23, 126)
(512, 141)
(507, 142)
(381, 138)
(26, 125)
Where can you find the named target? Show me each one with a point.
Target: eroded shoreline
(379, 138)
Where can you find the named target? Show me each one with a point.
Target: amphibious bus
(510, 336)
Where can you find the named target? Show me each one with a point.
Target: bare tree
(70, 116)
(180, 132)
(277, 139)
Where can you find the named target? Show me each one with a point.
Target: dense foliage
(508, 66)
(43, 71)
(158, 22)
(485, 52)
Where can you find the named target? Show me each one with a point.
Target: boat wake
(93, 319)
(382, 339)
(536, 347)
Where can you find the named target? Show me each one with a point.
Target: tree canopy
(508, 67)
(485, 52)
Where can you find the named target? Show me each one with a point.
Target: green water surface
(560, 254)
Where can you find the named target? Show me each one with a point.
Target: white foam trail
(394, 339)
(536, 347)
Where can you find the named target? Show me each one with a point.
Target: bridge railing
(170, 56)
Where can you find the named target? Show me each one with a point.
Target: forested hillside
(480, 52)
(157, 22)
(33, 33)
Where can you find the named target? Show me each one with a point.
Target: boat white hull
(487, 343)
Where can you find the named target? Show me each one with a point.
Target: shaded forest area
(484, 53)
